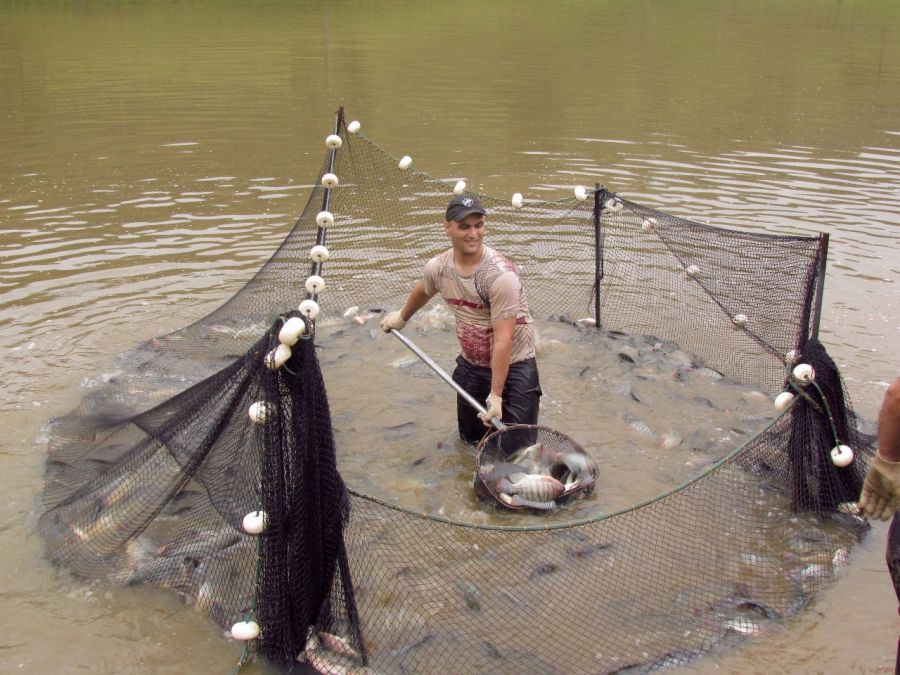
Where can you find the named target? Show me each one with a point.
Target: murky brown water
(154, 155)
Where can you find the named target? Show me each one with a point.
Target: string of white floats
(293, 329)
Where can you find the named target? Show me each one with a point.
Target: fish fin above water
(669, 441)
(337, 644)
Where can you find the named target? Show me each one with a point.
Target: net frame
(411, 610)
(499, 453)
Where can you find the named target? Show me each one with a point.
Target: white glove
(392, 320)
(494, 405)
(880, 496)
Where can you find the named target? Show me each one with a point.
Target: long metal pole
(444, 376)
(598, 254)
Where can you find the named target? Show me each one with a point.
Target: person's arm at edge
(417, 299)
(504, 330)
(889, 424)
(880, 495)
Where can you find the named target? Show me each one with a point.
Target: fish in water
(641, 428)
(494, 472)
(325, 662)
(576, 468)
(337, 644)
(332, 655)
(201, 542)
(537, 457)
(470, 594)
(173, 572)
(742, 626)
(365, 316)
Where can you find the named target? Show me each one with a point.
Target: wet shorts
(521, 396)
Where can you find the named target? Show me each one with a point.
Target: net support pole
(598, 253)
(820, 286)
(326, 199)
(321, 233)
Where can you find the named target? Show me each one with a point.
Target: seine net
(197, 467)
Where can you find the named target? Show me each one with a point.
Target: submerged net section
(200, 466)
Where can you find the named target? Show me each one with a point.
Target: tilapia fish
(536, 487)
(517, 501)
(538, 458)
(333, 655)
(537, 491)
(493, 474)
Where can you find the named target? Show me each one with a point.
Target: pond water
(154, 155)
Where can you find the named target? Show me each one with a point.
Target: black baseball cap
(462, 206)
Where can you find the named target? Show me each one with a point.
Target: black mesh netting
(172, 464)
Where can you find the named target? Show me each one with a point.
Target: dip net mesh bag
(206, 461)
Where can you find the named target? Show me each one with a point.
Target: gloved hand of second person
(880, 497)
(392, 320)
(494, 405)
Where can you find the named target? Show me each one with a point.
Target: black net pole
(598, 252)
(820, 285)
(326, 200)
(322, 229)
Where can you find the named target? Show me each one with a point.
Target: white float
(259, 412)
(517, 200)
(405, 162)
(460, 187)
(245, 630)
(291, 331)
(692, 271)
(254, 522)
(842, 455)
(739, 320)
(333, 141)
(353, 127)
(315, 284)
(324, 219)
(804, 373)
(309, 308)
(278, 357)
(783, 400)
(649, 224)
(580, 193)
(318, 253)
(329, 180)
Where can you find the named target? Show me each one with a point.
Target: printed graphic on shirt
(493, 292)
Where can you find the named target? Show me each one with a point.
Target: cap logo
(467, 201)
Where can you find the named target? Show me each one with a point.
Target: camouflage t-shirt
(491, 293)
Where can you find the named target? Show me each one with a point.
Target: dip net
(206, 461)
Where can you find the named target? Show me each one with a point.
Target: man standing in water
(493, 324)
(880, 496)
